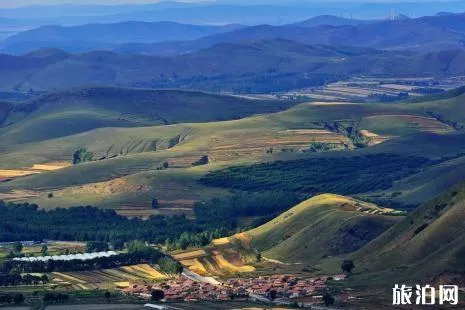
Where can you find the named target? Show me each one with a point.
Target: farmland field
(220, 258)
(109, 278)
(378, 89)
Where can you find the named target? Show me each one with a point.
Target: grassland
(128, 173)
(431, 240)
(79, 110)
(323, 226)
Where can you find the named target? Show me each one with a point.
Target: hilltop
(323, 226)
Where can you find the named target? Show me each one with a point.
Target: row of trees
(14, 279)
(27, 222)
(138, 253)
(55, 298)
(11, 298)
(101, 228)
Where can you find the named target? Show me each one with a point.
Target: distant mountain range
(223, 11)
(105, 36)
(256, 66)
(423, 34)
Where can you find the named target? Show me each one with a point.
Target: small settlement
(261, 288)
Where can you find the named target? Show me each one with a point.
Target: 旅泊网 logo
(425, 295)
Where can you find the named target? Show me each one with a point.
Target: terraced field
(109, 278)
(220, 258)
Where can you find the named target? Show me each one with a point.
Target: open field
(9, 174)
(108, 278)
(379, 89)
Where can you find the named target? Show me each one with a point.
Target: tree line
(15, 279)
(138, 253)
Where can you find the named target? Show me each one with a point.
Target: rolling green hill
(78, 110)
(430, 240)
(325, 225)
(135, 155)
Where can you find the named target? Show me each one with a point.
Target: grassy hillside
(325, 225)
(431, 240)
(78, 110)
(137, 154)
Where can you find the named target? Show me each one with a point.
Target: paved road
(198, 278)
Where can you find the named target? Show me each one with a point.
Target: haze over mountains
(268, 65)
(420, 34)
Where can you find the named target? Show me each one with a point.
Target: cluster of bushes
(389, 98)
(197, 239)
(82, 155)
(95, 246)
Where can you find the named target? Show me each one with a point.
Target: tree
(44, 250)
(17, 247)
(117, 245)
(204, 160)
(155, 203)
(95, 246)
(347, 266)
(328, 299)
(259, 257)
(273, 294)
(44, 278)
(82, 156)
(157, 295)
(18, 299)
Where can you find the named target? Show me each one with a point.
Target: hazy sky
(18, 3)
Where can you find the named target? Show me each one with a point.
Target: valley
(231, 155)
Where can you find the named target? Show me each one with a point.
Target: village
(280, 289)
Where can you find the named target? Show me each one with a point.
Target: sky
(19, 3)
